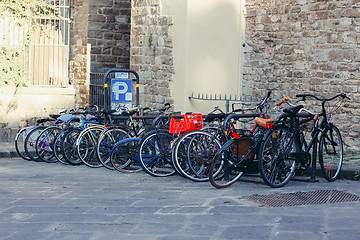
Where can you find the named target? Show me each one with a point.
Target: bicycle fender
(123, 141)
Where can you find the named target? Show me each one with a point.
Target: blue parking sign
(121, 90)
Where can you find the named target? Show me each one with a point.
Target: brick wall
(151, 52)
(306, 46)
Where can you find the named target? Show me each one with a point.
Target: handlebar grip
(268, 94)
(343, 95)
(279, 103)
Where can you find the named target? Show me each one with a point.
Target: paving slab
(54, 201)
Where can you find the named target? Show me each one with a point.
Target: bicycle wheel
(124, 155)
(193, 153)
(331, 153)
(276, 163)
(59, 155)
(30, 143)
(45, 142)
(86, 145)
(226, 167)
(20, 140)
(68, 147)
(155, 153)
(106, 142)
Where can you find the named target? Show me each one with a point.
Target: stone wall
(78, 69)
(100, 40)
(151, 52)
(109, 34)
(306, 46)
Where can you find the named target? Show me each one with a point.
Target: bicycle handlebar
(258, 106)
(303, 96)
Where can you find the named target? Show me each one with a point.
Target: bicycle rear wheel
(331, 153)
(276, 164)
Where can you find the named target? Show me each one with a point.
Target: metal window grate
(303, 198)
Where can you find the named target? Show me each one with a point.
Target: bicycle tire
(106, 142)
(193, 153)
(68, 147)
(86, 145)
(20, 140)
(58, 153)
(276, 165)
(226, 166)
(331, 153)
(155, 153)
(45, 142)
(30, 143)
(124, 155)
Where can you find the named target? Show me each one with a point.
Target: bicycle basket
(193, 122)
(176, 126)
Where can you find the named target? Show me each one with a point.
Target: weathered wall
(78, 68)
(100, 40)
(151, 52)
(109, 34)
(306, 46)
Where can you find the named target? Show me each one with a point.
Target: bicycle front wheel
(106, 142)
(193, 153)
(20, 141)
(155, 153)
(331, 153)
(276, 163)
(226, 167)
(45, 142)
(30, 143)
(124, 155)
(86, 145)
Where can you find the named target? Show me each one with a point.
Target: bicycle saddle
(54, 116)
(212, 116)
(129, 113)
(294, 110)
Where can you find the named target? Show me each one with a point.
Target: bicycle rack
(227, 99)
(107, 82)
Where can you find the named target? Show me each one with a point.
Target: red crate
(176, 126)
(193, 121)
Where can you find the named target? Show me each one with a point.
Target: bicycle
(238, 155)
(282, 148)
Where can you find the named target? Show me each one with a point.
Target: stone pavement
(53, 201)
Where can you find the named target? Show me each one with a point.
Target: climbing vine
(21, 14)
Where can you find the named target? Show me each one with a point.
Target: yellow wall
(207, 40)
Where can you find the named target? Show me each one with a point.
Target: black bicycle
(283, 148)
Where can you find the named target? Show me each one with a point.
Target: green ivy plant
(22, 12)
